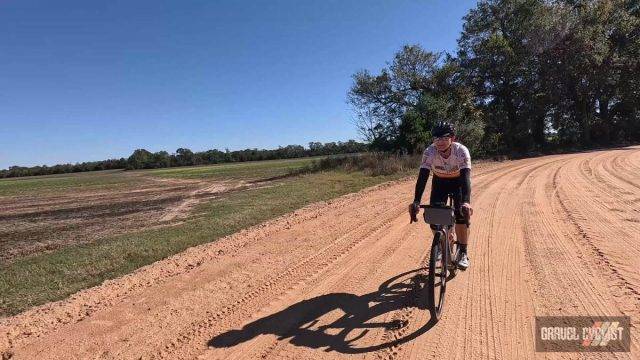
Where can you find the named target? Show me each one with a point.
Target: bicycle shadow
(300, 322)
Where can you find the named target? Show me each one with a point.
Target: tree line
(143, 159)
(529, 76)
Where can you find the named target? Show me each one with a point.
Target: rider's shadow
(299, 322)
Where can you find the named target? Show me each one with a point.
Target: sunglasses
(442, 138)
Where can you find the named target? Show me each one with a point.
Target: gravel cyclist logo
(601, 333)
(582, 334)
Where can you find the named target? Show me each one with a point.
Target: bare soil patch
(32, 224)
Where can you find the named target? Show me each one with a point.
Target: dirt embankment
(555, 235)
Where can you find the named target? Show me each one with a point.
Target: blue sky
(91, 80)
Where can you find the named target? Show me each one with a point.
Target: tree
(381, 101)
(160, 159)
(499, 50)
(184, 157)
(397, 108)
(139, 159)
(548, 72)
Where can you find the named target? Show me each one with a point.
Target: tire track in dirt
(627, 161)
(607, 179)
(444, 340)
(484, 297)
(435, 347)
(298, 275)
(611, 199)
(351, 272)
(602, 200)
(569, 289)
(408, 314)
(614, 168)
(613, 250)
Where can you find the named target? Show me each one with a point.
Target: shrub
(373, 164)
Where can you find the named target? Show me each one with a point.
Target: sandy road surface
(555, 235)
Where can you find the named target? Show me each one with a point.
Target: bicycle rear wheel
(437, 279)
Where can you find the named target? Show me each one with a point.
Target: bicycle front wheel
(437, 279)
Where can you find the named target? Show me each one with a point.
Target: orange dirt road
(554, 235)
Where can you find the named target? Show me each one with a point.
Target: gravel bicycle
(442, 266)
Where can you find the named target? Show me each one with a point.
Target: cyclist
(450, 163)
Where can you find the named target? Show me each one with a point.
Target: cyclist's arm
(423, 176)
(465, 179)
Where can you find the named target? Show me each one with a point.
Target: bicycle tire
(437, 282)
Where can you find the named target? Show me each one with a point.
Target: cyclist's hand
(414, 209)
(467, 209)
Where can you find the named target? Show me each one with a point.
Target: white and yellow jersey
(449, 167)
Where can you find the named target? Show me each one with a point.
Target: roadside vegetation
(372, 164)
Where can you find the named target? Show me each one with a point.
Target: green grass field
(252, 170)
(42, 185)
(112, 179)
(55, 275)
